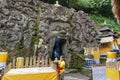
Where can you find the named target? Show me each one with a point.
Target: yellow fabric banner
(96, 54)
(20, 62)
(111, 54)
(37, 76)
(3, 56)
(112, 74)
(41, 73)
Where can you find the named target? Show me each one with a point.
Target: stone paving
(75, 76)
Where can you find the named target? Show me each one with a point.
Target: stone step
(75, 76)
(87, 71)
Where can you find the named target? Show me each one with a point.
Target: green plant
(84, 3)
(76, 62)
(111, 23)
(35, 38)
(98, 3)
(102, 7)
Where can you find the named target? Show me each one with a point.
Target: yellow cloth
(112, 74)
(32, 74)
(3, 56)
(111, 54)
(118, 41)
(20, 62)
(115, 43)
(61, 64)
(96, 54)
(37, 76)
(105, 50)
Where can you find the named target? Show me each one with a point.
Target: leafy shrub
(111, 23)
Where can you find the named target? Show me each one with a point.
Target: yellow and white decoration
(3, 59)
(38, 73)
(111, 57)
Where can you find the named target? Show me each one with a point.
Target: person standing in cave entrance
(56, 50)
(60, 67)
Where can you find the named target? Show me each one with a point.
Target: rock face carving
(20, 20)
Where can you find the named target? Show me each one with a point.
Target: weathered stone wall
(23, 22)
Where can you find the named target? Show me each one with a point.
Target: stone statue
(42, 49)
(57, 4)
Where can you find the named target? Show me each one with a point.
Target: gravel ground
(75, 76)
